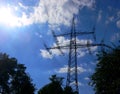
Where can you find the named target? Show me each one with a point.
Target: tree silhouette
(106, 79)
(55, 87)
(68, 90)
(13, 78)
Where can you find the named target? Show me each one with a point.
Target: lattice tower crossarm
(72, 79)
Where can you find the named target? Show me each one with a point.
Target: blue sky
(26, 25)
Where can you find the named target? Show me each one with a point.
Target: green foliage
(13, 79)
(106, 79)
(55, 87)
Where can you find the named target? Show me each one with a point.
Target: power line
(72, 73)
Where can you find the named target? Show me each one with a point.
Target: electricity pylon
(72, 73)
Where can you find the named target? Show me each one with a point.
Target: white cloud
(55, 52)
(38, 34)
(99, 16)
(55, 12)
(93, 49)
(51, 53)
(79, 83)
(87, 78)
(118, 19)
(94, 63)
(81, 70)
(45, 54)
(62, 70)
(110, 19)
(81, 53)
(115, 37)
(66, 42)
(118, 23)
(22, 6)
(65, 69)
(115, 18)
(118, 14)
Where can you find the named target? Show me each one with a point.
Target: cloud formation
(87, 78)
(115, 37)
(118, 23)
(79, 83)
(65, 69)
(53, 12)
(115, 18)
(62, 41)
(45, 54)
(99, 16)
(57, 12)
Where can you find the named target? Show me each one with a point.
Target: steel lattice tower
(72, 62)
(72, 74)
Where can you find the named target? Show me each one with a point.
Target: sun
(7, 17)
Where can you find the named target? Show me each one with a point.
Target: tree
(106, 78)
(68, 90)
(13, 78)
(55, 87)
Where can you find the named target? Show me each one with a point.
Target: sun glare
(7, 17)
